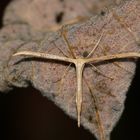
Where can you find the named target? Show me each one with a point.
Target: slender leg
(62, 79)
(61, 50)
(98, 71)
(95, 104)
(121, 67)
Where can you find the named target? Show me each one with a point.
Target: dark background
(26, 115)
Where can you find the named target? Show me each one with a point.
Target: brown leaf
(104, 91)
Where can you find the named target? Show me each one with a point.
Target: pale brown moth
(80, 63)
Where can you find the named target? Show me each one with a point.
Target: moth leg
(60, 50)
(98, 71)
(61, 80)
(97, 112)
(118, 65)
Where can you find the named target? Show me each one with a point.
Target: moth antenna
(63, 33)
(95, 47)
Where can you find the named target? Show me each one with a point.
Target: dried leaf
(104, 86)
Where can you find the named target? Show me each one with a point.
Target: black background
(26, 115)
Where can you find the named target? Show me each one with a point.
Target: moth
(81, 63)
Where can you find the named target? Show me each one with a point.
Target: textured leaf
(103, 97)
